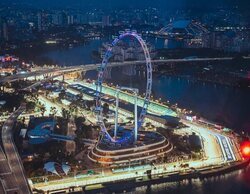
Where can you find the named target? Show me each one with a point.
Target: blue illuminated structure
(44, 132)
(99, 82)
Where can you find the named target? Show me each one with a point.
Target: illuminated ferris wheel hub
(118, 145)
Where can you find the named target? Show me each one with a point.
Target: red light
(245, 149)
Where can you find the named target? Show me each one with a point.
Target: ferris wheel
(100, 80)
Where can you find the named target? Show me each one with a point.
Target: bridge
(54, 72)
(12, 176)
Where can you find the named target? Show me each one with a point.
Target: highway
(7, 179)
(86, 67)
(153, 107)
(226, 148)
(227, 152)
(3, 118)
(14, 179)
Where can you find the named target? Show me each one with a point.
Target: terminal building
(150, 146)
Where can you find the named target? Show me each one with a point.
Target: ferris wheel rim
(102, 69)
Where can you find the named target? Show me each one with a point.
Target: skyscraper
(105, 21)
(57, 18)
(5, 31)
(4, 34)
(42, 21)
(39, 21)
(70, 19)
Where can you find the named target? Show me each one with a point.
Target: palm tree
(43, 109)
(53, 111)
(105, 108)
(65, 113)
(73, 109)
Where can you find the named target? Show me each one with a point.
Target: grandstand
(183, 29)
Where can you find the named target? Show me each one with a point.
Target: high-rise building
(4, 33)
(64, 18)
(80, 18)
(57, 19)
(39, 21)
(105, 21)
(42, 21)
(1, 36)
(70, 19)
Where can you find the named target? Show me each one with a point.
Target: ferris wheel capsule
(127, 30)
(121, 32)
(134, 32)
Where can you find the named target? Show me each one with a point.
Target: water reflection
(232, 183)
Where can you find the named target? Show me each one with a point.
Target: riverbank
(148, 180)
(228, 80)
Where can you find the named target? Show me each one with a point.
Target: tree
(65, 113)
(42, 109)
(30, 105)
(73, 109)
(90, 104)
(105, 108)
(53, 111)
(62, 94)
(80, 121)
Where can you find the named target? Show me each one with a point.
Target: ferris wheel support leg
(116, 114)
(136, 121)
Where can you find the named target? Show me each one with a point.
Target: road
(86, 67)
(226, 148)
(16, 180)
(214, 157)
(3, 118)
(71, 145)
(154, 107)
(227, 153)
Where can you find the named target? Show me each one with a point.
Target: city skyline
(129, 3)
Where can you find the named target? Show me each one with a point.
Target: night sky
(164, 4)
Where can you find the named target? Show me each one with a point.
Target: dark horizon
(110, 4)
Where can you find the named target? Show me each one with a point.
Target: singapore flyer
(100, 80)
